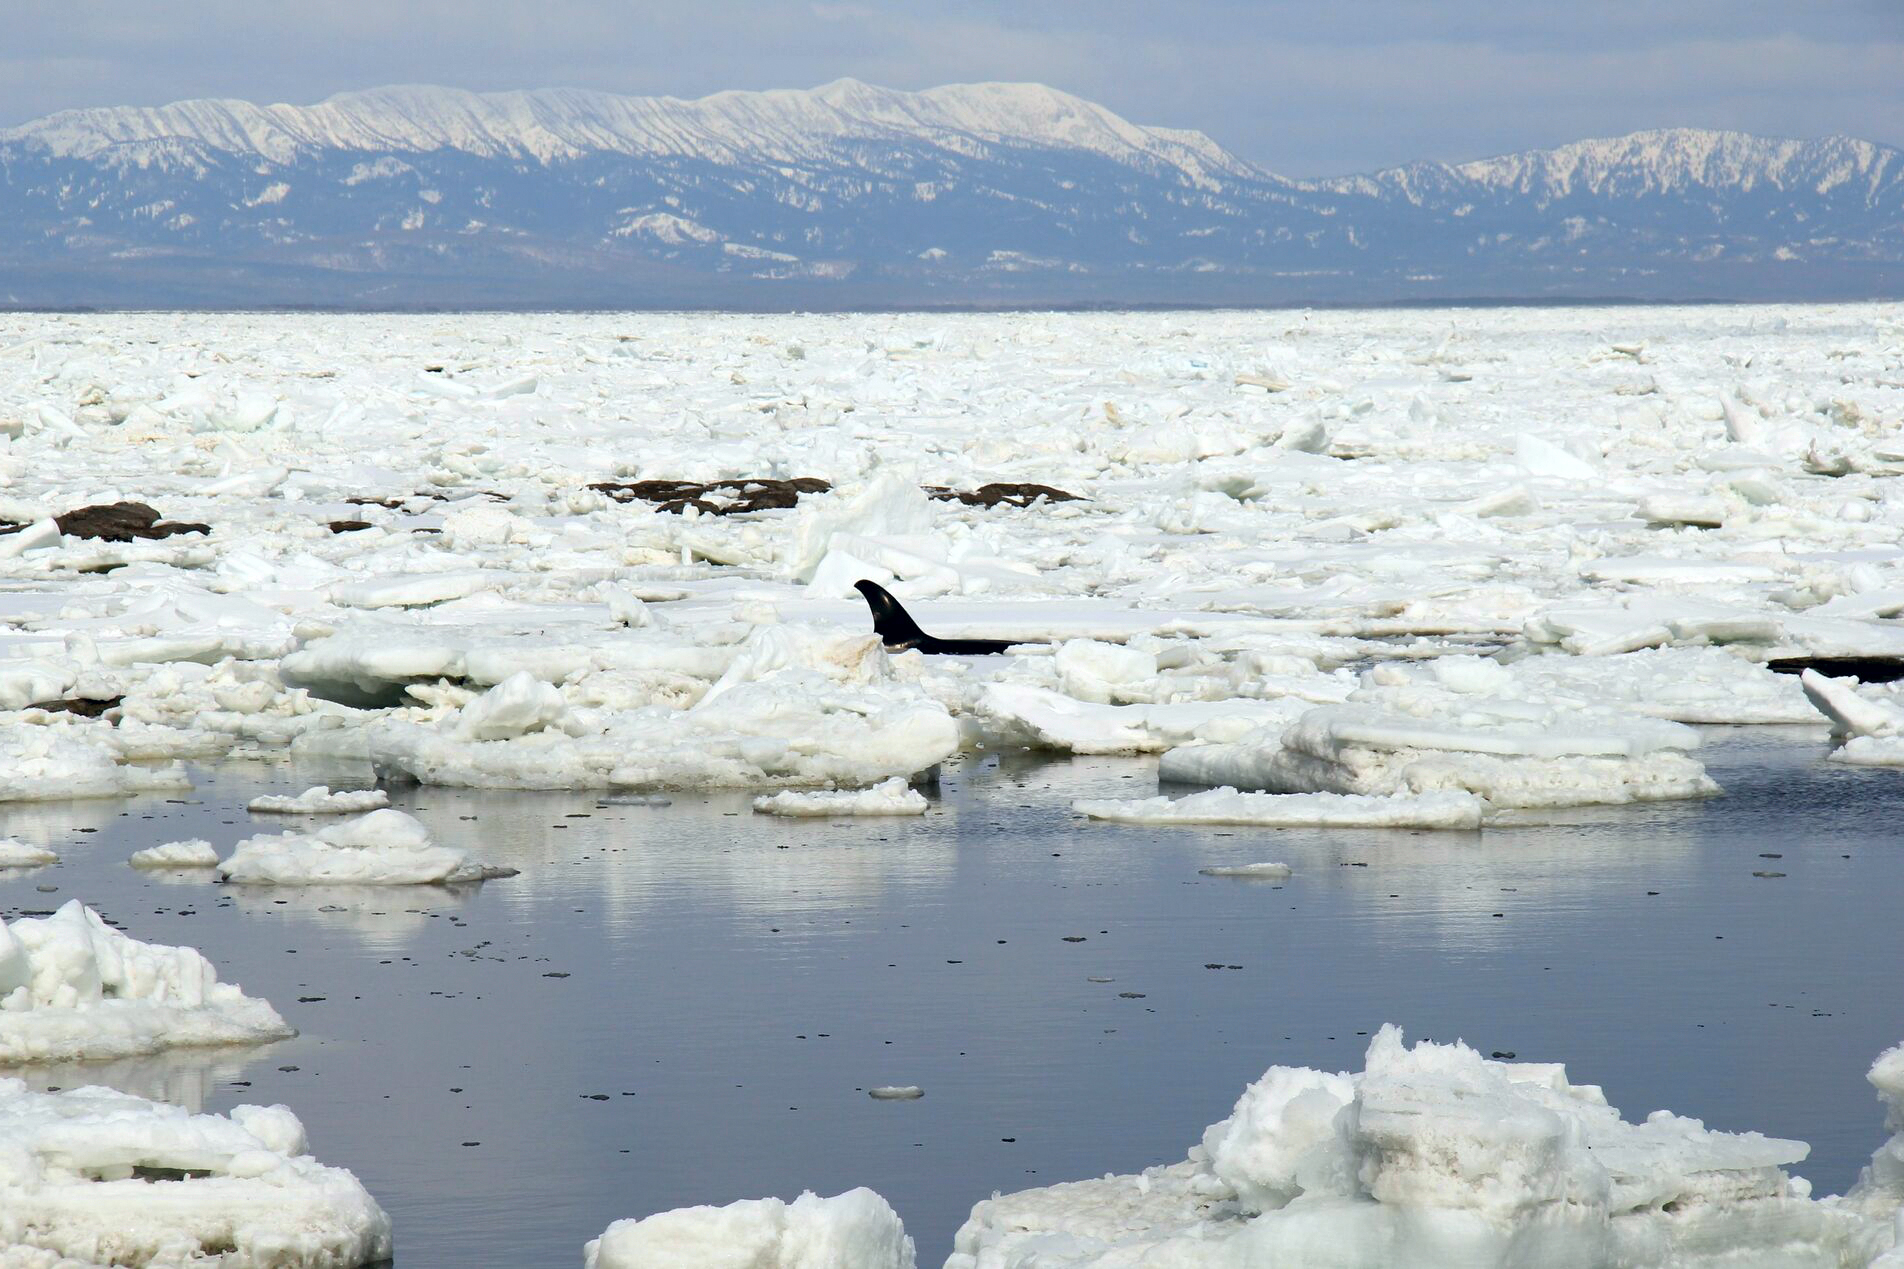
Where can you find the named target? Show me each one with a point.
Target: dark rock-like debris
(116, 522)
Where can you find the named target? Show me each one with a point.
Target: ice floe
(1433, 1156)
(194, 852)
(319, 800)
(890, 797)
(854, 1230)
(383, 848)
(72, 987)
(1294, 810)
(18, 854)
(93, 1177)
(1872, 728)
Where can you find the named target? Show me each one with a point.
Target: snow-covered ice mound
(383, 848)
(1436, 1158)
(890, 797)
(854, 1230)
(1464, 724)
(106, 1178)
(1293, 810)
(319, 800)
(45, 764)
(195, 852)
(71, 988)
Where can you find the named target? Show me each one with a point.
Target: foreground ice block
(73, 988)
(383, 848)
(104, 1178)
(854, 1230)
(1436, 1158)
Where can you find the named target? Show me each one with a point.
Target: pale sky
(1305, 89)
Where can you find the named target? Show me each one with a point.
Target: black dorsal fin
(891, 622)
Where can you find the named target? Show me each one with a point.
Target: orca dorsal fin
(891, 622)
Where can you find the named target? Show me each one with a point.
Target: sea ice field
(1396, 709)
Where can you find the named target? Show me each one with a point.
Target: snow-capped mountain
(852, 194)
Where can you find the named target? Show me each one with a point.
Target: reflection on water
(686, 1003)
(185, 1077)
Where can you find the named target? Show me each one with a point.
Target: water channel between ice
(685, 1004)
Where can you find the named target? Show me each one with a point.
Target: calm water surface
(685, 1004)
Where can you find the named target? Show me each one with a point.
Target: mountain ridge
(850, 193)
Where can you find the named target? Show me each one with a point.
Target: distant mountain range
(850, 195)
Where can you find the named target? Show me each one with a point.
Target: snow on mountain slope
(1661, 161)
(566, 123)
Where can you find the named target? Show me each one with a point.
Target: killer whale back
(898, 631)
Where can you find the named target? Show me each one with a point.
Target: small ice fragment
(890, 797)
(194, 853)
(15, 853)
(854, 1230)
(319, 800)
(896, 1093)
(1273, 871)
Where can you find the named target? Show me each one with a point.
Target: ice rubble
(99, 1177)
(319, 800)
(892, 797)
(1434, 1156)
(195, 852)
(854, 1230)
(1237, 557)
(43, 764)
(383, 848)
(1293, 810)
(72, 987)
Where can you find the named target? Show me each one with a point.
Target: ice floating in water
(1270, 872)
(896, 1093)
(383, 848)
(1436, 1158)
(73, 988)
(1874, 729)
(15, 853)
(854, 1230)
(43, 764)
(1294, 810)
(105, 1178)
(1462, 725)
(194, 853)
(891, 797)
(319, 800)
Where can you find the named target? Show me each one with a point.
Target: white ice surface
(891, 797)
(1294, 810)
(1635, 539)
(854, 1230)
(92, 1177)
(71, 987)
(383, 848)
(1436, 1158)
